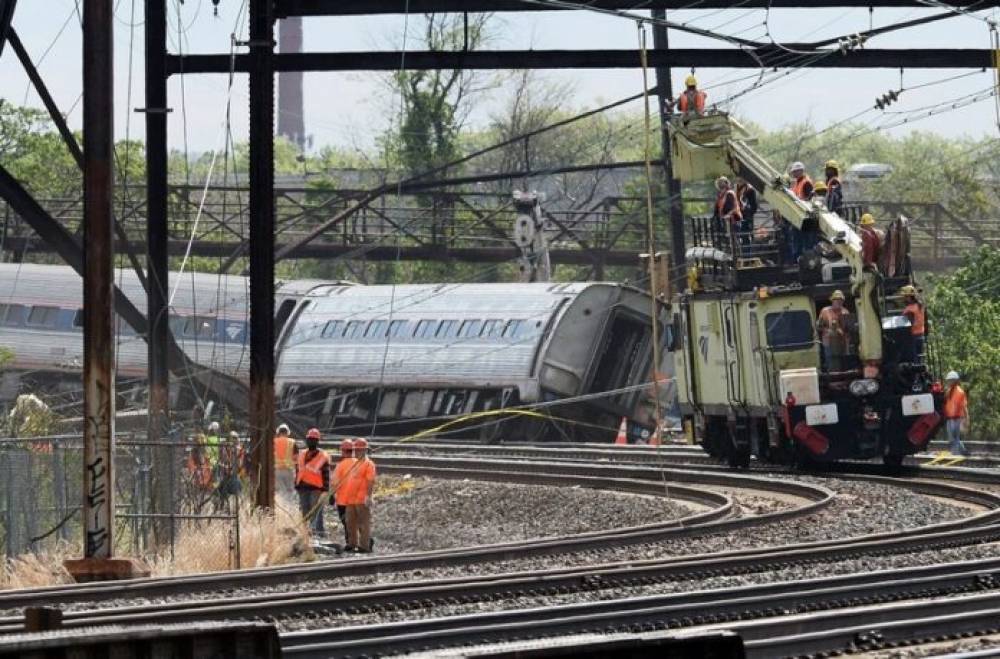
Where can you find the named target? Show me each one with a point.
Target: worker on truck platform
(284, 459)
(871, 241)
(691, 102)
(338, 488)
(312, 481)
(956, 413)
(803, 188)
(834, 327)
(728, 215)
(834, 189)
(747, 196)
(915, 313)
(358, 499)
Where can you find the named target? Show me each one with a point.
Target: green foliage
(964, 309)
(34, 153)
(6, 356)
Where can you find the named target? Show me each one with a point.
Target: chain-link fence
(176, 501)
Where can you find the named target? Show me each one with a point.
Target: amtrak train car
(391, 358)
(41, 322)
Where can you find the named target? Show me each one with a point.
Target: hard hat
(360, 442)
(347, 445)
(796, 167)
(867, 220)
(831, 164)
(313, 433)
(837, 295)
(907, 290)
(233, 434)
(691, 81)
(820, 186)
(722, 181)
(952, 375)
(283, 429)
(213, 427)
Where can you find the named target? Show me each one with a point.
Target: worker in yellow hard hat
(692, 99)
(834, 189)
(871, 240)
(833, 326)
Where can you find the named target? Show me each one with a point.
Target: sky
(350, 110)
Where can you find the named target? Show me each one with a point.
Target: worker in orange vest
(914, 311)
(956, 413)
(198, 467)
(834, 328)
(341, 473)
(312, 481)
(834, 188)
(692, 100)
(284, 459)
(802, 185)
(358, 499)
(728, 214)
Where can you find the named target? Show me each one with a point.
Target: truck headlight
(864, 387)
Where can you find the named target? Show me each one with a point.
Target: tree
(964, 311)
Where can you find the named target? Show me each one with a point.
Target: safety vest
(915, 311)
(284, 453)
(200, 471)
(311, 473)
(799, 188)
(955, 403)
(692, 98)
(736, 214)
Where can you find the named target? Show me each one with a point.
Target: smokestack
(291, 123)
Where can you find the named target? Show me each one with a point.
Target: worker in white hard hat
(212, 444)
(284, 460)
(692, 99)
(956, 413)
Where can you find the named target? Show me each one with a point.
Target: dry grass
(204, 546)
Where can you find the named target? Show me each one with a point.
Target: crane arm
(717, 145)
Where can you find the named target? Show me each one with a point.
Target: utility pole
(673, 186)
(98, 301)
(262, 249)
(156, 261)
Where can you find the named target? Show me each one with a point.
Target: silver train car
(387, 359)
(41, 322)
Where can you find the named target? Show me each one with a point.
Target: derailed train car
(391, 359)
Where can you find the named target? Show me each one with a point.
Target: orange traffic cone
(622, 437)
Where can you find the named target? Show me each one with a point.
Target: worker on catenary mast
(747, 196)
(956, 413)
(833, 326)
(692, 99)
(312, 481)
(728, 215)
(871, 240)
(834, 189)
(914, 311)
(284, 460)
(338, 487)
(358, 498)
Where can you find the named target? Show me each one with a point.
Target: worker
(819, 193)
(727, 217)
(871, 240)
(212, 443)
(358, 499)
(341, 473)
(312, 481)
(834, 189)
(228, 468)
(692, 100)
(802, 185)
(747, 196)
(956, 413)
(284, 459)
(833, 327)
(914, 311)
(198, 468)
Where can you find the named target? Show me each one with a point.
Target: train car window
(15, 315)
(425, 329)
(492, 328)
(40, 316)
(353, 329)
(789, 330)
(333, 329)
(446, 329)
(77, 319)
(3, 314)
(199, 328)
(397, 328)
(470, 328)
(512, 329)
(376, 330)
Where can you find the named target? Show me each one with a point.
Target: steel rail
(649, 481)
(651, 613)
